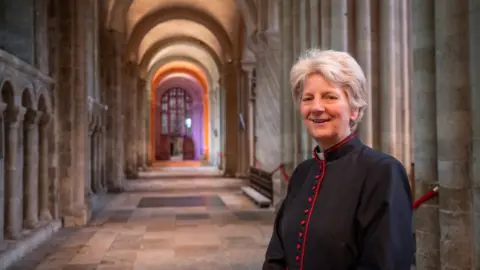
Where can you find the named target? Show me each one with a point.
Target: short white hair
(340, 69)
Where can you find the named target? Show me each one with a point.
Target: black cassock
(347, 208)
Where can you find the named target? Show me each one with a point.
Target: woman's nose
(318, 105)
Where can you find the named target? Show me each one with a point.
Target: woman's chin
(322, 135)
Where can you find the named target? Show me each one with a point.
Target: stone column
(13, 185)
(315, 28)
(391, 88)
(286, 101)
(63, 114)
(92, 111)
(43, 176)
(97, 149)
(339, 25)
(298, 128)
(326, 24)
(141, 133)
(304, 43)
(474, 38)
(114, 50)
(231, 118)
(364, 57)
(30, 220)
(425, 133)
(129, 82)
(104, 149)
(80, 139)
(3, 142)
(454, 143)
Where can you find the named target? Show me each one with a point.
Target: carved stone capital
(32, 118)
(45, 119)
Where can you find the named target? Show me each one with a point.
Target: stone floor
(170, 224)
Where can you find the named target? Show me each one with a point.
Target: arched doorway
(174, 113)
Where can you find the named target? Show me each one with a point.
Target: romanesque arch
(187, 86)
(177, 39)
(164, 72)
(177, 12)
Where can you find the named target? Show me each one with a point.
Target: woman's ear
(354, 114)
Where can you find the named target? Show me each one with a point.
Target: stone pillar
(286, 101)
(97, 150)
(298, 127)
(326, 24)
(92, 111)
(103, 147)
(474, 38)
(3, 178)
(364, 57)
(13, 185)
(141, 133)
(30, 195)
(43, 175)
(231, 118)
(304, 44)
(391, 88)
(454, 143)
(315, 28)
(339, 25)
(80, 211)
(425, 133)
(129, 82)
(112, 50)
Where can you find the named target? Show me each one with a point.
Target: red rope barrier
(427, 196)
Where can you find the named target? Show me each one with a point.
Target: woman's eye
(306, 99)
(330, 97)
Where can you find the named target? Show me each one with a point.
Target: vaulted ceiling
(200, 32)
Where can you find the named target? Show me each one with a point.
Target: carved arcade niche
(25, 109)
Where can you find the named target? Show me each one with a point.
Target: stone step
(180, 172)
(184, 184)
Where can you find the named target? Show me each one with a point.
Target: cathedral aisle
(164, 224)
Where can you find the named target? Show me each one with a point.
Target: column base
(31, 224)
(79, 217)
(116, 190)
(131, 174)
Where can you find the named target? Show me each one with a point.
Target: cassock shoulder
(385, 174)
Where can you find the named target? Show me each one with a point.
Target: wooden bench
(260, 187)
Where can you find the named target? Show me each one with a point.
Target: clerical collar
(339, 150)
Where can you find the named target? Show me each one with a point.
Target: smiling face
(326, 111)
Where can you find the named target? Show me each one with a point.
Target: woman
(349, 207)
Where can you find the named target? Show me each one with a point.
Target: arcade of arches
(93, 93)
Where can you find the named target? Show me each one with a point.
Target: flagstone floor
(167, 224)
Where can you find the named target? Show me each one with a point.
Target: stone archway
(201, 79)
(178, 39)
(162, 113)
(177, 12)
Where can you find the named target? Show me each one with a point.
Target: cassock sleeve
(385, 218)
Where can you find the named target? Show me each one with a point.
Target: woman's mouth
(319, 121)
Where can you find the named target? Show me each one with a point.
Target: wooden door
(188, 148)
(163, 148)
